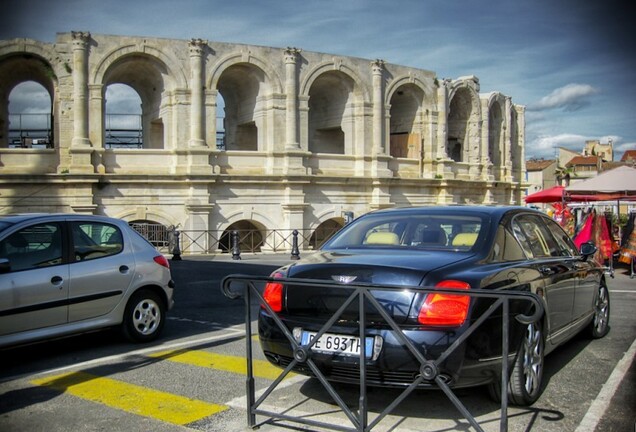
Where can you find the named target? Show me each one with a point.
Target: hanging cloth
(601, 238)
(628, 249)
(585, 234)
(564, 217)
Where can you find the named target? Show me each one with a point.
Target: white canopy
(620, 181)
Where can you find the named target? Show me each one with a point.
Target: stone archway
(251, 236)
(324, 231)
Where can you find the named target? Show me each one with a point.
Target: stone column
(80, 88)
(507, 144)
(377, 68)
(197, 86)
(291, 91)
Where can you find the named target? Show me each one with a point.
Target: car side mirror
(5, 265)
(587, 250)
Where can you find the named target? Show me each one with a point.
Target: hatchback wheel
(599, 326)
(144, 316)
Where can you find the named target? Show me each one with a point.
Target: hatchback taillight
(441, 309)
(162, 261)
(273, 293)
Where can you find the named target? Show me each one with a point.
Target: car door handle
(545, 270)
(57, 280)
(123, 269)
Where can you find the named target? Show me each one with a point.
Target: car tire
(599, 326)
(526, 380)
(144, 316)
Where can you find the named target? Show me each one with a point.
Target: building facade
(235, 135)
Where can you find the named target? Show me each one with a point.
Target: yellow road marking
(234, 364)
(132, 398)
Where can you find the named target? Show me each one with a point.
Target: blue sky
(570, 62)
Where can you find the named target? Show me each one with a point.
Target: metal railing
(251, 240)
(250, 287)
(30, 130)
(123, 131)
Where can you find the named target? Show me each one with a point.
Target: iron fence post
(236, 251)
(295, 253)
(176, 250)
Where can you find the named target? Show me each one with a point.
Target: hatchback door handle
(123, 269)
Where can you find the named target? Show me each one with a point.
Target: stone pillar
(197, 86)
(442, 125)
(507, 143)
(291, 91)
(96, 125)
(80, 88)
(377, 68)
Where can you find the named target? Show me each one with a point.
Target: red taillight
(162, 261)
(441, 309)
(273, 293)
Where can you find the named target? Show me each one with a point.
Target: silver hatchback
(62, 274)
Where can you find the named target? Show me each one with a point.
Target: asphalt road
(193, 378)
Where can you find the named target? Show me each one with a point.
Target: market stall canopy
(560, 194)
(553, 194)
(616, 184)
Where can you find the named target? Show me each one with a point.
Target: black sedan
(457, 248)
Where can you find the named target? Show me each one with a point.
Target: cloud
(571, 97)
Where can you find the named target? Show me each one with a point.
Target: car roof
(23, 217)
(495, 210)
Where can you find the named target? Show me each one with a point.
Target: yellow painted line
(132, 398)
(234, 364)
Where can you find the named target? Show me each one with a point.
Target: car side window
(93, 240)
(506, 247)
(535, 236)
(36, 246)
(565, 244)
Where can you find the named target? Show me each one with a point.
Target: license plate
(337, 344)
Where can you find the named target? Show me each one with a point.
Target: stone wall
(307, 136)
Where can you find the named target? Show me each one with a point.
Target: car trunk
(395, 269)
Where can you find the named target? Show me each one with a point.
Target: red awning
(558, 193)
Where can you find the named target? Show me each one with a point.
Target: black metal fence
(250, 287)
(195, 242)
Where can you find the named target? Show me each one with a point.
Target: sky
(571, 63)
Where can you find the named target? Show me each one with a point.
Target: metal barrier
(429, 368)
(251, 240)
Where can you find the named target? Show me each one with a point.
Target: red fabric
(601, 238)
(585, 235)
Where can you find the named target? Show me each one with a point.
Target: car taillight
(441, 309)
(273, 293)
(162, 261)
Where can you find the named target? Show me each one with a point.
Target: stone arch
(153, 80)
(324, 231)
(361, 90)
(173, 67)
(272, 78)
(406, 122)
(154, 215)
(24, 62)
(251, 236)
(395, 85)
(463, 123)
(246, 85)
(335, 97)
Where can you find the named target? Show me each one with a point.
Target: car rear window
(427, 231)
